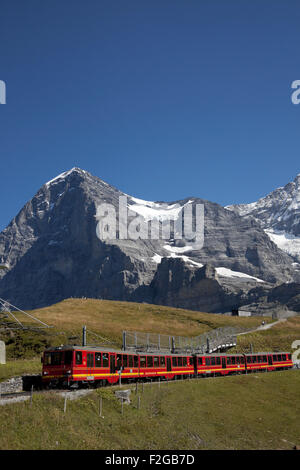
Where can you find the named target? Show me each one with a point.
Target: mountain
(279, 215)
(54, 251)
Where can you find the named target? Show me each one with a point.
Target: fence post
(139, 402)
(31, 395)
(65, 403)
(100, 407)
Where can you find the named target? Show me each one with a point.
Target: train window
(213, 361)
(228, 360)
(207, 361)
(149, 361)
(105, 360)
(125, 360)
(184, 361)
(78, 357)
(265, 358)
(156, 361)
(242, 360)
(162, 361)
(130, 361)
(47, 359)
(56, 359)
(68, 357)
(191, 361)
(142, 361)
(289, 356)
(136, 361)
(179, 361)
(218, 361)
(174, 361)
(98, 359)
(119, 361)
(199, 361)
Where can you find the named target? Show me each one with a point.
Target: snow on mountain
(154, 210)
(279, 215)
(229, 273)
(286, 242)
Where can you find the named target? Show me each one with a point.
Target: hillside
(258, 411)
(109, 319)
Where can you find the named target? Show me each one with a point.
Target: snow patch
(285, 241)
(225, 272)
(178, 249)
(153, 210)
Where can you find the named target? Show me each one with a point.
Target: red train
(78, 365)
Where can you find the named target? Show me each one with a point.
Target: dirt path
(263, 327)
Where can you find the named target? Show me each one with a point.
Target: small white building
(244, 313)
(2, 353)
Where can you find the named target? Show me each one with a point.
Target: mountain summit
(53, 252)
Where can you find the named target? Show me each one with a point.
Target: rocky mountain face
(54, 251)
(279, 215)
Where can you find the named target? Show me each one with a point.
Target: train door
(112, 363)
(270, 360)
(223, 362)
(169, 365)
(90, 366)
(194, 362)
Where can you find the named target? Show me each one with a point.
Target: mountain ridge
(53, 251)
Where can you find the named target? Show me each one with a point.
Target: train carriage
(268, 361)
(219, 364)
(71, 365)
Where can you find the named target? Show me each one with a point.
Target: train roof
(98, 348)
(151, 353)
(268, 352)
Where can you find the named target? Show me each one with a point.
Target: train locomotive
(75, 366)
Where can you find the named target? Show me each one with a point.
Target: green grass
(278, 338)
(108, 319)
(258, 411)
(18, 367)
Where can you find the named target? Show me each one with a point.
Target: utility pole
(84, 336)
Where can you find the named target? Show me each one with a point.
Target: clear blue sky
(164, 99)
